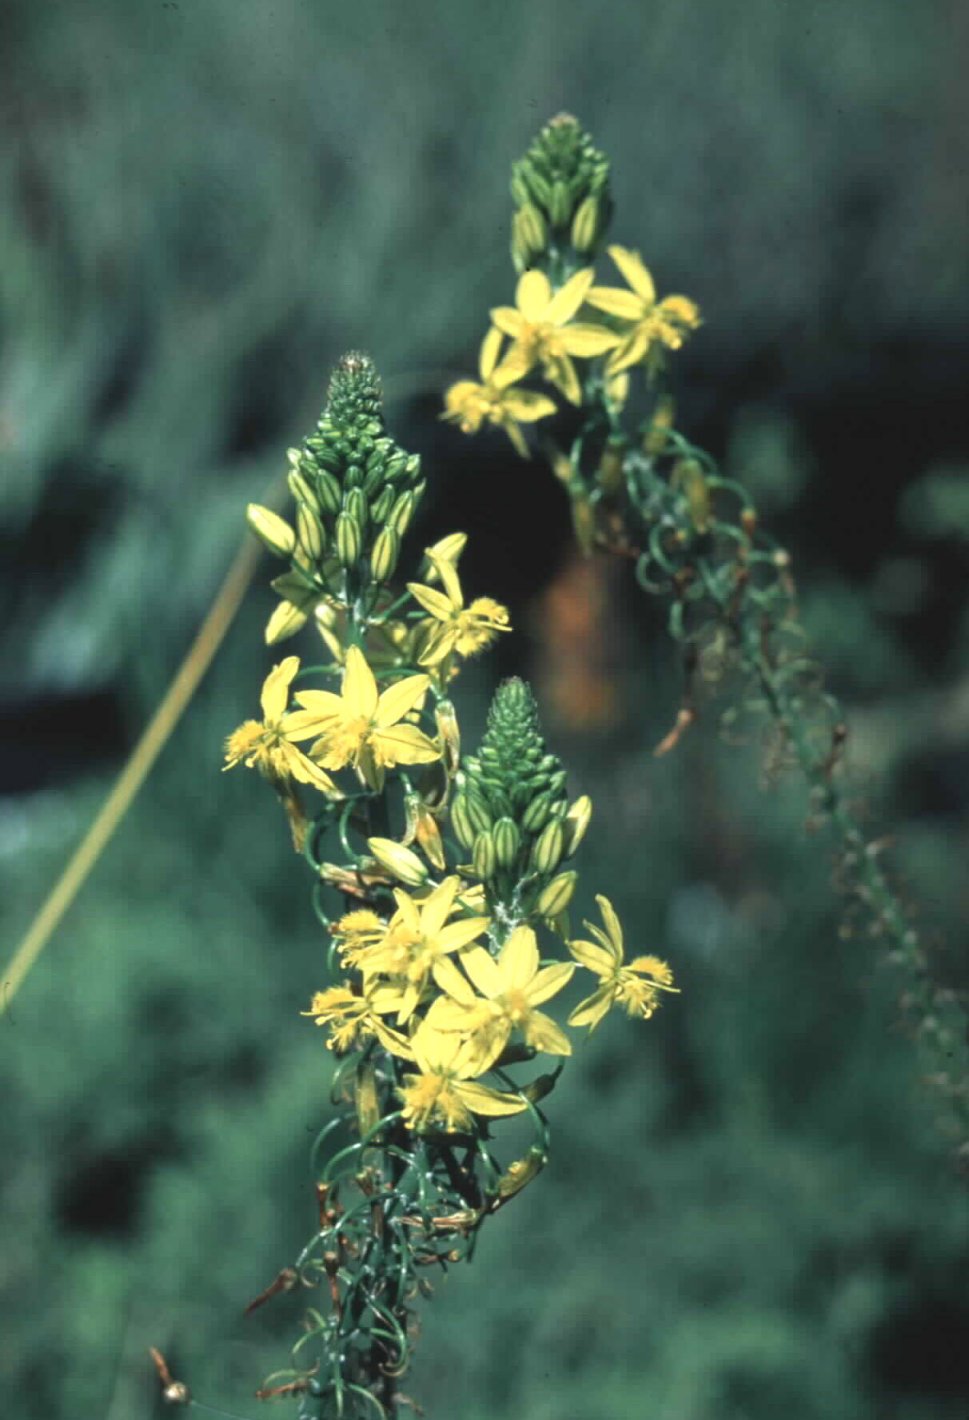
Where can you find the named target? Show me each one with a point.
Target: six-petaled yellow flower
(360, 727)
(539, 324)
(267, 744)
(466, 630)
(417, 940)
(636, 987)
(444, 1091)
(354, 1017)
(653, 322)
(512, 988)
(496, 400)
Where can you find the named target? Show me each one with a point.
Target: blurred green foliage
(749, 1208)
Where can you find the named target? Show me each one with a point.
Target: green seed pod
(507, 840)
(274, 534)
(483, 856)
(537, 812)
(560, 205)
(381, 505)
(576, 822)
(355, 503)
(402, 512)
(328, 492)
(349, 540)
(461, 822)
(309, 531)
(384, 555)
(548, 847)
(556, 895)
(585, 225)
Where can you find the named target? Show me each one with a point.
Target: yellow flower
(466, 630)
(354, 1019)
(355, 932)
(512, 987)
(443, 1092)
(539, 326)
(635, 987)
(417, 941)
(266, 744)
(360, 727)
(495, 401)
(667, 321)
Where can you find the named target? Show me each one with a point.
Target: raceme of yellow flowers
(453, 945)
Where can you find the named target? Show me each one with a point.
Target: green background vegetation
(750, 1209)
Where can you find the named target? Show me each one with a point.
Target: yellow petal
(286, 620)
(405, 744)
(461, 393)
(396, 701)
(434, 603)
(461, 933)
(482, 1100)
(483, 971)
(304, 770)
(518, 960)
(588, 340)
(543, 1033)
(532, 296)
(315, 719)
(527, 405)
(630, 263)
(359, 686)
(490, 350)
(449, 979)
(631, 351)
(624, 304)
(562, 373)
(514, 367)
(548, 982)
(507, 321)
(569, 298)
(275, 690)
(612, 924)
(591, 1011)
(593, 958)
(436, 907)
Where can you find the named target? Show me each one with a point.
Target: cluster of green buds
(511, 811)
(356, 492)
(561, 193)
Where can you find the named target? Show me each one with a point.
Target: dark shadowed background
(750, 1209)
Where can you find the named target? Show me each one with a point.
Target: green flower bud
(384, 555)
(382, 504)
(328, 492)
(560, 204)
(478, 810)
(507, 840)
(309, 531)
(402, 512)
(585, 225)
(576, 822)
(548, 848)
(450, 733)
(483, 857)
(398, 860)
(301, 490)
(461, 822)
(353, 478)
(530, 226)
(537, 812)
(355, 503)
(349, 540)
(271, 530)
(519, 190)
(556, 895)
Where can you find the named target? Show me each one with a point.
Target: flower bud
(657, 431)
(286, 620)
(585, 225)
(355, 503)
(688, 476)
(328, 492)
(402, 512)
(609, 472)
(576, 822)
(382, 505)
(398, 861)
(521, 1172)
(309, 531)
(464, 829)
(301, 490)
(353, 478)
(483, 856)
(530, 225)
(560, 204)
(384, 555)
(271, 530)
(349, 540)
(478, 810)
(556, 895)
(547, 848)
(429, 837)
(450, 733)
(507, 840)
(537, 812)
